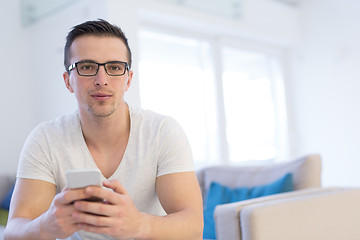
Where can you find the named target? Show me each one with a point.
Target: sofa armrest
(227, 216)
(329, 214)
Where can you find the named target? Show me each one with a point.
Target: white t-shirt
(157, 146)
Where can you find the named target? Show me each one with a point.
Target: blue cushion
(219, 194)
(5, 203)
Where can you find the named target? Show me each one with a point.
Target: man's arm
(36, 212)
(179, 194)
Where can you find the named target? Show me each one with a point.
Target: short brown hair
(98, 27)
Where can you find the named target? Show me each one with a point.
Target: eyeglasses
(90, 68)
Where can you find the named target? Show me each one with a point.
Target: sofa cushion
(220, 194)
(6, 181)
(5, 202)
(306, 174)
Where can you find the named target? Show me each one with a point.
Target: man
(144, 157)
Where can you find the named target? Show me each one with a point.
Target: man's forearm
(185, 224)
(24, 228)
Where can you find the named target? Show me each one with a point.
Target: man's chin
(101, 113)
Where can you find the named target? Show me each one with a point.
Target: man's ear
(128, 83)
(67, 81)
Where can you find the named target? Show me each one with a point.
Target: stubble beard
(102, 110)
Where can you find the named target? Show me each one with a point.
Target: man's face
(99, 95)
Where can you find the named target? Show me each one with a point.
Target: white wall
(325, 86)
(16, 87)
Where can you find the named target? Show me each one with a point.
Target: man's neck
(103, 132)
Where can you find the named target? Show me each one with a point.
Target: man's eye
(86, 67)
(115, 68)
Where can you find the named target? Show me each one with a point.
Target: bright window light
(249, 105)
(229, 120)
(176, 79)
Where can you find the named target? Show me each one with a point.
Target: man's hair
(99, 28)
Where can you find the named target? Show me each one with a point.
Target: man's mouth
(101, 96)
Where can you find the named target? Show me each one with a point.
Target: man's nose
(101, 78)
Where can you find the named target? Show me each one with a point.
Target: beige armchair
(311, 214)
(305, 213)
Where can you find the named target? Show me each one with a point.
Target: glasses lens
(115, 68)
(87, 68)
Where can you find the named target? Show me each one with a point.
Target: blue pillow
(219, 194)
(5, 203)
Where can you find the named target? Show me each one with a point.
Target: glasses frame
(75, 65)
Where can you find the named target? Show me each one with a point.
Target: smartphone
(80, 178)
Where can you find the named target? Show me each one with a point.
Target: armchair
(309, 212)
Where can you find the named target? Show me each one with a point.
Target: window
(228, 117)
(249, 108)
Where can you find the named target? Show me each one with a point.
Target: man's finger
(69, 196)
(116, 186)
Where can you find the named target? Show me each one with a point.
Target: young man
(144, 157)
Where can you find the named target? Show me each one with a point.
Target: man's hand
(58, 220)
(117, 216)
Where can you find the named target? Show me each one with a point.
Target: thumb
(115, 185)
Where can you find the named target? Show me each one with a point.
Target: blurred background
(250, 81)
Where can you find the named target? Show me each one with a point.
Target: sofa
(308, 212)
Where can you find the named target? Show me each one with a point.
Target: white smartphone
(80, 178)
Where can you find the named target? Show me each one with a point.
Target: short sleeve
(174, 152)
(35, 159)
